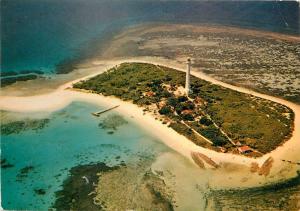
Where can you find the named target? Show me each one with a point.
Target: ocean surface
(72, 137)
(39, 34)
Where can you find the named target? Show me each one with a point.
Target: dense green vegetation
(210, 110)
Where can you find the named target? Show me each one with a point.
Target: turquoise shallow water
(72, 137)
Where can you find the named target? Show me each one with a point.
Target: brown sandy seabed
(264, 61)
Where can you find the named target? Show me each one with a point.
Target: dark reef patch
(11, 77)
(23, 125)
(26, 169)
(101, 187)
(67, 65)
(23, 173)
(40, 191)
(110, 132)
(75, 194)
(5, 164)
(14, 73)
(12, 80)
(133, 187)
(112, 122)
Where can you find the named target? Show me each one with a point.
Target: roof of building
(149, 94)
(187, 111)
(243, 149)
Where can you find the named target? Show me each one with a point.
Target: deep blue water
(72, 137)
(38, 34)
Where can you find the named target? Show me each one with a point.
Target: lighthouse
(187, 77)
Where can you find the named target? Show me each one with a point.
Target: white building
(187, 77)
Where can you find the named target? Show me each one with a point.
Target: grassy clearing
(215, 112)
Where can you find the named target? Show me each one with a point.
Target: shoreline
(63, 96)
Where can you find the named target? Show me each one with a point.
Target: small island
(211, 116)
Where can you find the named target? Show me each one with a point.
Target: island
(211, 116)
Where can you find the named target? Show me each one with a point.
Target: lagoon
(72, 137)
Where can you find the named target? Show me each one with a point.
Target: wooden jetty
(97, 114)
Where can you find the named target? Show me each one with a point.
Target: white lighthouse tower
(187, 77)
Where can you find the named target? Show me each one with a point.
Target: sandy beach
(239, 177)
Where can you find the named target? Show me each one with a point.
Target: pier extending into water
(97, 114)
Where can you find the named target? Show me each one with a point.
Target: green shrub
(219, 141)
(205, 121)
(187, 117)
(179, 108)
(172, 101)
(165, 110)
(182, 99)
